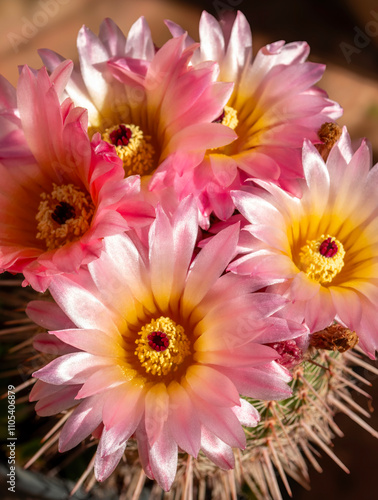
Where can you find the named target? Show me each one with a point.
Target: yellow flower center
(63, 216)
(229, 117)
(133, 147)
(322, 259)
(162, 346)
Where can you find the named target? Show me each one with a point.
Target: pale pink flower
(163, 347)
(320, 251)
(153, 106)
(60, 193)
(273, 107)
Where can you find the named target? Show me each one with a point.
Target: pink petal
(144, 449)
(61, 399)
(41, 390)
(342, 153)
(209, 265)
(104, 466)
(233, 355)
(246, 414)
(222, 422)
(139, 43)
(92, 341)
(61, 75)
(8, 99)
(177, 31)
(347, 306)
(239, 48)
(121, 416)
(212, 386)
(44, 342)
(320, 310)
(212, 40)
(112, 38)
(163, 459)
(102, 381)
(162, 262)
(156, 411)
(71, 368)
(303, 288)
(216, 450)
(44, 128)
(368, 341)
(92, 51)
(185, 227)
(81, 306)
(202, 136)
(84, 420)
(317, 178)
(131, 267)
(265, 382)
(184, 424)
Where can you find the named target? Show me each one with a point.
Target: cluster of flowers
(193, 228)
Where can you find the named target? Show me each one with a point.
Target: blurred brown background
(342, 33)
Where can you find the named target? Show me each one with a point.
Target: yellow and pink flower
(319, 251)
(273, 107)
(153, 106)
(161, 347)
(60, 192)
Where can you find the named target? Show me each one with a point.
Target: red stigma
(158, 341)
(328, 248)
(120, 136)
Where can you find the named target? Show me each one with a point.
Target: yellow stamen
(318, 266)
(79, 211)
(162, 362)
(138, 155)
(230, 118)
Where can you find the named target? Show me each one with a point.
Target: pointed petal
(209, 265)
(212, 386)
(216, 450)
(104, 466)
(184, 424)
(84, 420)
(163, 459)
(156, 409)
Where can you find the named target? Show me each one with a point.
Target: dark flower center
(328, 248)
(63, 211)
(158, 341)
(120, 136)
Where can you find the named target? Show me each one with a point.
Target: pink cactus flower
(273, 107)
(154, 107)
(162, 349)
(320, 251)
(60, 193)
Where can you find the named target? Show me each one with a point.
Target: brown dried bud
(334, 338)
(329, 134)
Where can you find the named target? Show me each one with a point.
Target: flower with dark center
(63, 212)
(162, 348)
(60, 199)
(277, 104)
(155, 107)
(320, 251)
